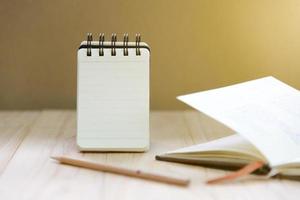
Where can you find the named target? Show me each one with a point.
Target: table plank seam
(18, 144)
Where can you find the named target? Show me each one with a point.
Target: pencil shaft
(122, 171)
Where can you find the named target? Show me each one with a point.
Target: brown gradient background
(196, 45)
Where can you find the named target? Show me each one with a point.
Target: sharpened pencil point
(55, 157)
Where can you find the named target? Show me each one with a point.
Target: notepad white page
(265, 111)
(113, 100)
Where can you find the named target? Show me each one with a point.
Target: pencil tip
(54, 157)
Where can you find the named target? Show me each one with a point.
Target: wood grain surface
(29, 138)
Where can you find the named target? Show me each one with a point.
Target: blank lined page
(113, 99)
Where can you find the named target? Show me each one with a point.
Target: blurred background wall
(196, 45)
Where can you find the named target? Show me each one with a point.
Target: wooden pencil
(122, 171)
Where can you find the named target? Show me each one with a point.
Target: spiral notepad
(113, 94)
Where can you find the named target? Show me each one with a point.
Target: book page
(265, 111)
(235, 144)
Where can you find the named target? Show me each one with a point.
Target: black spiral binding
(137, 44)
(89, 44)
(102, 45)
(113, 44)
(125, 44)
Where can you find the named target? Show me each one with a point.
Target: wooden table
(29, 138)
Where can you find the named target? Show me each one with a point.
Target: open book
(265, 115)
